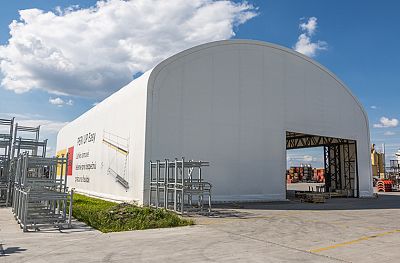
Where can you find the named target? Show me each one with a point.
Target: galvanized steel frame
(40, 194)
(6, 141)
(179, 186)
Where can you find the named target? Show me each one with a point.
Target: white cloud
(48, 128)
(386, 123)
(389, 133)
(308, 158)
(33, 121)
(304, 43)
(9, 115)
(310, 26)
(45, 125)
(297, 158)
(60, 102)
(93, 52)
(56, 101)
(374, 107)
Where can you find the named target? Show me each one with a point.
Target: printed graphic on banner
(60, 154)
(70, 160)
(85, 165)
(116, 157)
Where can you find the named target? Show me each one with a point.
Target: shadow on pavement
(10, 250)
(384, 201)
(77, 227)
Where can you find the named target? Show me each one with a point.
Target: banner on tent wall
(70, 160)
(62, 153)
(59, 154)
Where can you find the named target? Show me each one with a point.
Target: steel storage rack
(40, 192)
(26, 139)
(179, 186)
(6, 140)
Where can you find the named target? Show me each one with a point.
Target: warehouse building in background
(238, 104)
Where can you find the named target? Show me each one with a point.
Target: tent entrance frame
(340, 160)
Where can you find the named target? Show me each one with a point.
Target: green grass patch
(112, 217)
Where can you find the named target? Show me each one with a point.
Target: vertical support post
(25, 211)
(328, 178)
(175, 183)
(151, 181)
(157, 181)
(71, 203)
(183, 186)
(166, 175)
(357, 177)
(66, 174)
(201, 196)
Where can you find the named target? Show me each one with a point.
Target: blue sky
(360, 45)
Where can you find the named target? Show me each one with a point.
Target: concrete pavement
(341, 230)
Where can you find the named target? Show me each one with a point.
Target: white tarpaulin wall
(227, 102)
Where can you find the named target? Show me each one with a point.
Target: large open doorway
(339, 161)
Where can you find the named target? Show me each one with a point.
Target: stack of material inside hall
(303, 173)
(384, 185)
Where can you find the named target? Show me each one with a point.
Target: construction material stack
(34, 185)
(319, 175)
(179, 186)
(6, 140)
(40, 192)
(384, 185)
(25, 140)
(302, 173)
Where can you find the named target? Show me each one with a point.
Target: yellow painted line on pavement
(354, 241)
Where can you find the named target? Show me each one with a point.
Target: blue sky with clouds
(61, 57)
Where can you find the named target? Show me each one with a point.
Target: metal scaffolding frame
(6, 141)
(31, 144)
(24, 140)
(34, 185)
(179, 186)
(41, 195)
(332, 158)
(350, 166)
(340, 160)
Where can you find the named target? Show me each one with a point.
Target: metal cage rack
(40, 192)
(25, 143)
(6, 141)
(24, 140)
(179, 186)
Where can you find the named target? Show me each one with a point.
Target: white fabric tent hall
(238, 104)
